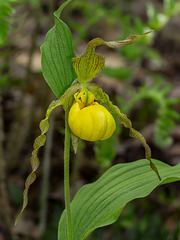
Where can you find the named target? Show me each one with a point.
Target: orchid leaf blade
(100, 203)
(57, 53)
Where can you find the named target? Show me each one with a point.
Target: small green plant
(100, 203)
(6, 12)
(166, 118)
(156, 19)
(10, 26)
(165, 115)
(105, 152)
(108, 15)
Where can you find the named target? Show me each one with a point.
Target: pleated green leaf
(100, 203)
(57, 53)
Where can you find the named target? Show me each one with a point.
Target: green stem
(66, 180)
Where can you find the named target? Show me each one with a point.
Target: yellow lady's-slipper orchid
(89, 120)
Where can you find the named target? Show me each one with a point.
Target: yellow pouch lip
(91, 123)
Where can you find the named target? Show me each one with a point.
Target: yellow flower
(89, 120)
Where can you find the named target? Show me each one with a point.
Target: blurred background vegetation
(142, 79)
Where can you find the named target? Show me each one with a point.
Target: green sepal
(104, 98)
(40, 140)
(89, 63)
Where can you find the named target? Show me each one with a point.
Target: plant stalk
(66, 180)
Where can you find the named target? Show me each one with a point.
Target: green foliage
(3, 80)
(35, 3)
(15, 193)
(6, 12)
(6, 47)
(157, 20)
(105, 152)
(100, 203)
(166, 116)
(122, 73)
(100, 13)
(57, 53)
